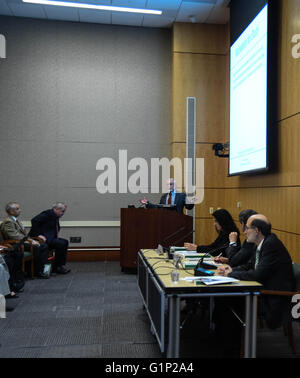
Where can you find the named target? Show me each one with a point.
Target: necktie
(170, 199)
(21, 228)
(256, 258)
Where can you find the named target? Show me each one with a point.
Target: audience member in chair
(179, 200)
(13, 229)
(13, 258)
(224, 226)
(4, 281)
(4, 277)
(271, 265)
(236, 256)
(46, 226)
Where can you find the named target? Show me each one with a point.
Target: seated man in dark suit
(46, 226)
(177, 199)
(271, 265)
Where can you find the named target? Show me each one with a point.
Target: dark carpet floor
(96, 312)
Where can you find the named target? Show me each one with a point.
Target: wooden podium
(146, 228)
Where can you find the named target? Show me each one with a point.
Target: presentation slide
(248, 98)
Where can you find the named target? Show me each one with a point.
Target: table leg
(211, 308)
(247, 326)
(174, 327)
(253, 326)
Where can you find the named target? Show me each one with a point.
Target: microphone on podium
(160, 250)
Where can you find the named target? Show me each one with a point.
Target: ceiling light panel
(81, 5)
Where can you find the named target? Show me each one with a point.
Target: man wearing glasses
(271, 265)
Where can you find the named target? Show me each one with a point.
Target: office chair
(27, 256)
(288, 328)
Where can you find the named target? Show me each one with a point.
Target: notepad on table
(217, 280)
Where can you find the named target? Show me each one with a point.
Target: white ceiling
(203, 11)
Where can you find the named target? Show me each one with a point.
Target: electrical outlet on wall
(75, 239)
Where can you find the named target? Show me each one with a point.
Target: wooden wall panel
(200, 38)
(203, 77)
(200, 65)
(289, 68)
(214, 168)
(275, 194)
(292, 243)
(205, 232)
(280, 205)
(213, 199)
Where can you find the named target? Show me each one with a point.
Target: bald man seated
(271, 265)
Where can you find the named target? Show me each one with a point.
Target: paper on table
(215, 280)
(190, 253)
(218, 280)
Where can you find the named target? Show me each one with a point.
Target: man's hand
(221, 260)
(224, 270)
(43, 238)
(144, 201)
(190, 200)
(190, 246)
(35, 242)
(233, 237)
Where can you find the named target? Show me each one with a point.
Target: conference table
(163, 297)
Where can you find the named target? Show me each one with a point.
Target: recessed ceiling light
(93, 6)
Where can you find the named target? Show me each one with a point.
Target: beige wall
(202, 70)
(71, 94)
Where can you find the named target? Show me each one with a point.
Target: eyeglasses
(248, 228)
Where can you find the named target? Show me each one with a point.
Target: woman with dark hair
(236, 255)
(224, 225)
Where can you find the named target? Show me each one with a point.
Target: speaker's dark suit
(179, 202)
(275, 272)
(47, 224)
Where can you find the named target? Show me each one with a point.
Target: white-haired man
(177, 199)
(46, 226)
(12, 228)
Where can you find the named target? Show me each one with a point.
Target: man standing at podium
(177, 199)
